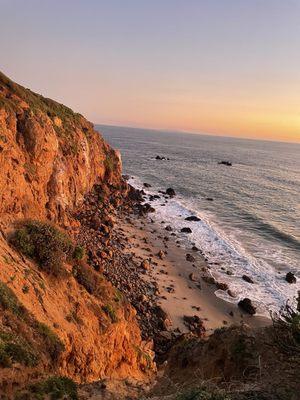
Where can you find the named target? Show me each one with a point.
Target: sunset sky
(229, 67)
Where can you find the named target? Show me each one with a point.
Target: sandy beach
(182, 291)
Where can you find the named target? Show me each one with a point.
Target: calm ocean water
(251, 227)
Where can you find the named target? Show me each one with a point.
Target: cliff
(74, 325)
(50, 156)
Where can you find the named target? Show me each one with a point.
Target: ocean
(252, 225)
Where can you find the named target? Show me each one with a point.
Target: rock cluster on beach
(106, 254)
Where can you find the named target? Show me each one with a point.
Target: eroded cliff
(51, 158)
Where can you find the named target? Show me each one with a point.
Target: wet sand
(179, 295)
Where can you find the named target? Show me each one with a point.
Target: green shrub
(25, 289)
(110, 311)
(9, 301)
(44, 243)
(201, 394)
(286, 329)
(89, 279)
(54, 344)
(55, 388)
(79, 253)
(16, 349)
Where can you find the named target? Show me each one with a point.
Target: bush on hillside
(13, 348)
(202, 394)
(56, 387)
(9, 301)
(44, 243)
(54, 345)
(286, 329)
(89, 279)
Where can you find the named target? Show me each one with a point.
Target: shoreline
(181, 288)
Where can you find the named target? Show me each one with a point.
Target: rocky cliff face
(50, 159)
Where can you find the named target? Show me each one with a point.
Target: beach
(181, 288)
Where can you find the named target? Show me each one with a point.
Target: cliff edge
(72, 323)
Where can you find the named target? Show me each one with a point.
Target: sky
(225, 67)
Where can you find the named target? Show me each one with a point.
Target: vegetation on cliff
(58, 315)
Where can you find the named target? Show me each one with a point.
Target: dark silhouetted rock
(222, 285)
(147, 185)
(190, 258)
(170, 192)
(227, 163)
(247, 279)
(290, 278)
(246, 305)
(186, 230)
(192, 218)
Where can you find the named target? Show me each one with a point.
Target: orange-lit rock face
(47, 162)
(49, 159)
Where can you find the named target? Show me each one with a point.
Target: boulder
(145, 265)
(147, 185)
(247, 306)
(209, 279)
(161, 254)
(247, 279)
(290, 278)
(186, 230)
(194, 324)
(192, 218)
(163, 317)
(209, 199)
(227, 163)
(231, 293)
(168, 228)
(192, 277)
(222, 285)
(190, 258)
(170, 192)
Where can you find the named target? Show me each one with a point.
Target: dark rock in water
(135, 194)
(247, 279)
(222, 285)
(290, 278)
(190, 258)
(168, 228)
(247, 306)
(186, 230)
(170, 192)
(209, 199)
(195, 248)
(228, 163)
(209, 279)
(192, 218)
(160, 158)
(231, 293)
(154, 197)
(147, 185)
(145, 209)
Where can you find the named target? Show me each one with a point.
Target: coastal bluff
(50, 156)
(71, 324)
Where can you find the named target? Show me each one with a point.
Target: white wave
(225, 252)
